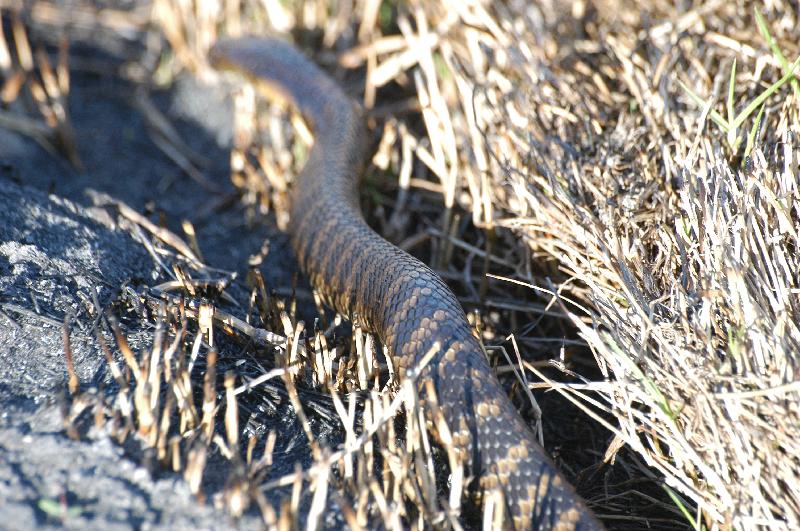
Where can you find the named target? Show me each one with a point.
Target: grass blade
(729, 105)
(700, 102)
(766, 94)
(776, 51)
(751, 136)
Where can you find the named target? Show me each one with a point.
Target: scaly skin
(398, 297)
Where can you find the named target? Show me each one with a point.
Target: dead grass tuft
(682, 255)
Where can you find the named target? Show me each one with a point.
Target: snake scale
(398, 297)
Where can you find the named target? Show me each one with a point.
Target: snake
(394, 295)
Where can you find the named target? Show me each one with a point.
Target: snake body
(399, 298)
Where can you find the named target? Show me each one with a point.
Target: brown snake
(398, 297)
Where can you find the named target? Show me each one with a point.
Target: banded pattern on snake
(398, 297)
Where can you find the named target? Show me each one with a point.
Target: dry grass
(671, 254)
(33, 91)
(683, 260)
(179, 402)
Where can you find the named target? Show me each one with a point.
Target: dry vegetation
(34, 92)
(648, 211)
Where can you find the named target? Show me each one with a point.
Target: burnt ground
(59, 257)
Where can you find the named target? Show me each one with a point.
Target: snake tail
(399, 298)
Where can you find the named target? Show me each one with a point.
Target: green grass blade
(729, 106)
(684, 510)
(751, 136)
(700, 102)
(776, 51)
(731, 85)
(764, 95)
(647, 383)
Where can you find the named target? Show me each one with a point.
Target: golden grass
(673, 257)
